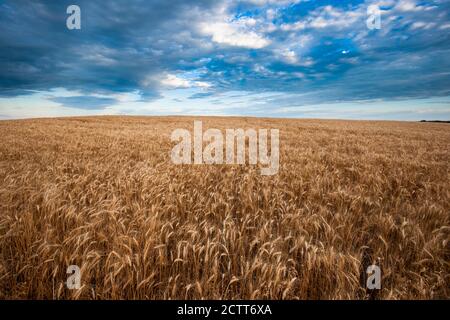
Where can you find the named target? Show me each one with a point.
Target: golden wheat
(102, 193)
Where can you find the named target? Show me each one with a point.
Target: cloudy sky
(275, 58)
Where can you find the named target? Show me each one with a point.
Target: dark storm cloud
(119, 45)
(319, 49)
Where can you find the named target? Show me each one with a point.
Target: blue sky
(299, 58)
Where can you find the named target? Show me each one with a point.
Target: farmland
(102, 193)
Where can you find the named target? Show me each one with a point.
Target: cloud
(308, 51)
(84, 102)
(327, 17)
(408, 5)
(176, 82)
(235, 33)
(200, 95)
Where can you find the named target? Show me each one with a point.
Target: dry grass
(102, 193)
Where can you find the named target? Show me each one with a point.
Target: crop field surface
(102, 193)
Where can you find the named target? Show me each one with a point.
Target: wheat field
(102, 193)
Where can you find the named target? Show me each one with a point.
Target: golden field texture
(103, 194)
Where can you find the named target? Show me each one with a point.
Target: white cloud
(299, 25)
(176, 82)
(422, 25)
(173, 81)
(408, 5)
(288, 56)
(325, 17)
(276, 2)
(384, 3)
(271, 14)
(332, 17)
(201, 84)
(126, 97)
(235, 33)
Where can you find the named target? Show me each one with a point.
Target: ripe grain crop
(102, 193)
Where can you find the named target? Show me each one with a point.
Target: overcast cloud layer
(254, 57)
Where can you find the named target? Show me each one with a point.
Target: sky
(266, 58)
